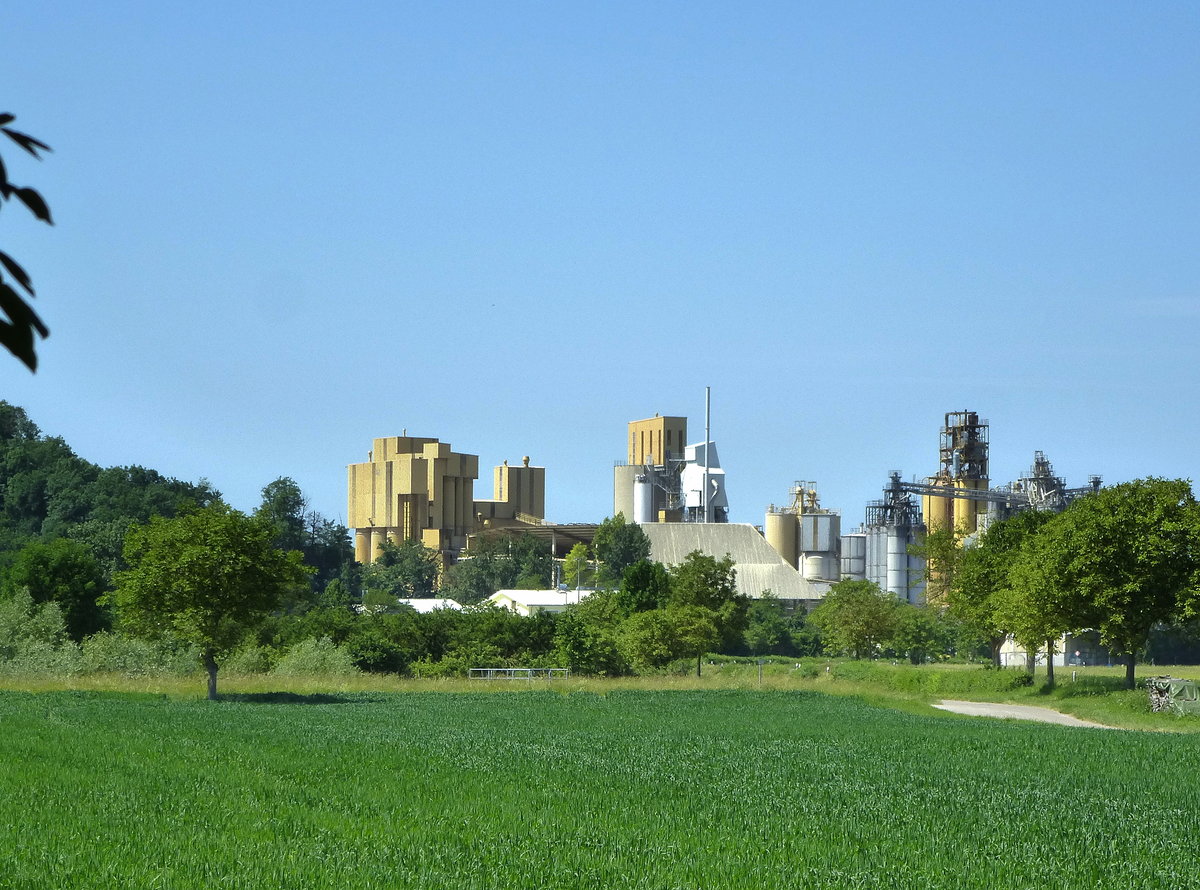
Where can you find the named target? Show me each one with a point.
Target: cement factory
(413, 488)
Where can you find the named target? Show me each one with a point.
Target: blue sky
(284, 229)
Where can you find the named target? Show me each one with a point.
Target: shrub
(33, 638)
(316, 658)
(114, 653)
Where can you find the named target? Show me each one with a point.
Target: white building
(530, 602)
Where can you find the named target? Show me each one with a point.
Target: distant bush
(113, 653)
(33, 638)
(248, 660)
(316, 658)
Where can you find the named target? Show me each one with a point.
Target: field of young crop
(631, 789)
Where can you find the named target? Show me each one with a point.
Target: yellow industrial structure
(964, 467)
(653, 439)
(418, 489)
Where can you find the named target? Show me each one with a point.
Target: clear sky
(284, 229)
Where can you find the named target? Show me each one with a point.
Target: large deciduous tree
(980, 595)
(618, 545)
(204, 577)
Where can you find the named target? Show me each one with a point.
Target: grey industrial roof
(759, 566)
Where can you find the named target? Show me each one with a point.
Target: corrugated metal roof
(759, 566)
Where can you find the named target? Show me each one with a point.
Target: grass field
(632, 788)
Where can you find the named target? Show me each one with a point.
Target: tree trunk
(1049, 664)
(697, 665)
(210, 665)
(997, 644)
(1130, 680)
(1030, 662)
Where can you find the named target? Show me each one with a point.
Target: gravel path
(1014, 712)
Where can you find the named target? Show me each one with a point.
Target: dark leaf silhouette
(16, 272)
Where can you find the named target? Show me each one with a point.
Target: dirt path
(1014, 712)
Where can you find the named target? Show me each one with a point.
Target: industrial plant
(419, 489)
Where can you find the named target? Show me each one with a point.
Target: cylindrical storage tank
(643, 499)
(938, 512)
(780, 532)
(877, 556)
(897, 563)
(623, 479)
(854, 557)
(819, 568)
(966, 512)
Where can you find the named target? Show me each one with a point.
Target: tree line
(96, 558)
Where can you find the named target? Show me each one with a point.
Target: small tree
(855, 617)
(577, 567)
(203, 577)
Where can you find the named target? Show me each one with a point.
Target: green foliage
(709, 583)
(618, 545)
(644, 585)
(203, 578)
(501, 562)
(17, 333)
(577, 569)
(942, 551)
(921, 633)
(50, 492)
(315, 658)
(33, 637)
(587, 636)
(980, 596)
(408, 570)
(771, 631)
(112, 653)
(62, 572)
(1118, 561)
(855, 618)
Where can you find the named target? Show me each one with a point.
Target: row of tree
(1117, 562)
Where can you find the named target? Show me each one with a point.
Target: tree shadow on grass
(293, 698)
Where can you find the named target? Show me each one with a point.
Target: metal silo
(897, 563)
(623, 482)
(854, 556)
(781, 532)
(643, 498)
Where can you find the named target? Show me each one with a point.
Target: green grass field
(633, 788)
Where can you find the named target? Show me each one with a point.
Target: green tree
(577, 566)
(63, 572)
(577, 569)
(768, 631)
(942, 551)
(17, 334)
(979, 595)
(407, 570)
(1118, 561)
(644, 585)
(702, 580)
(697, 629)
(618, 545)
(284, 507)
(204, 577)
(586, 636)
(855, 618)
(919, 633)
